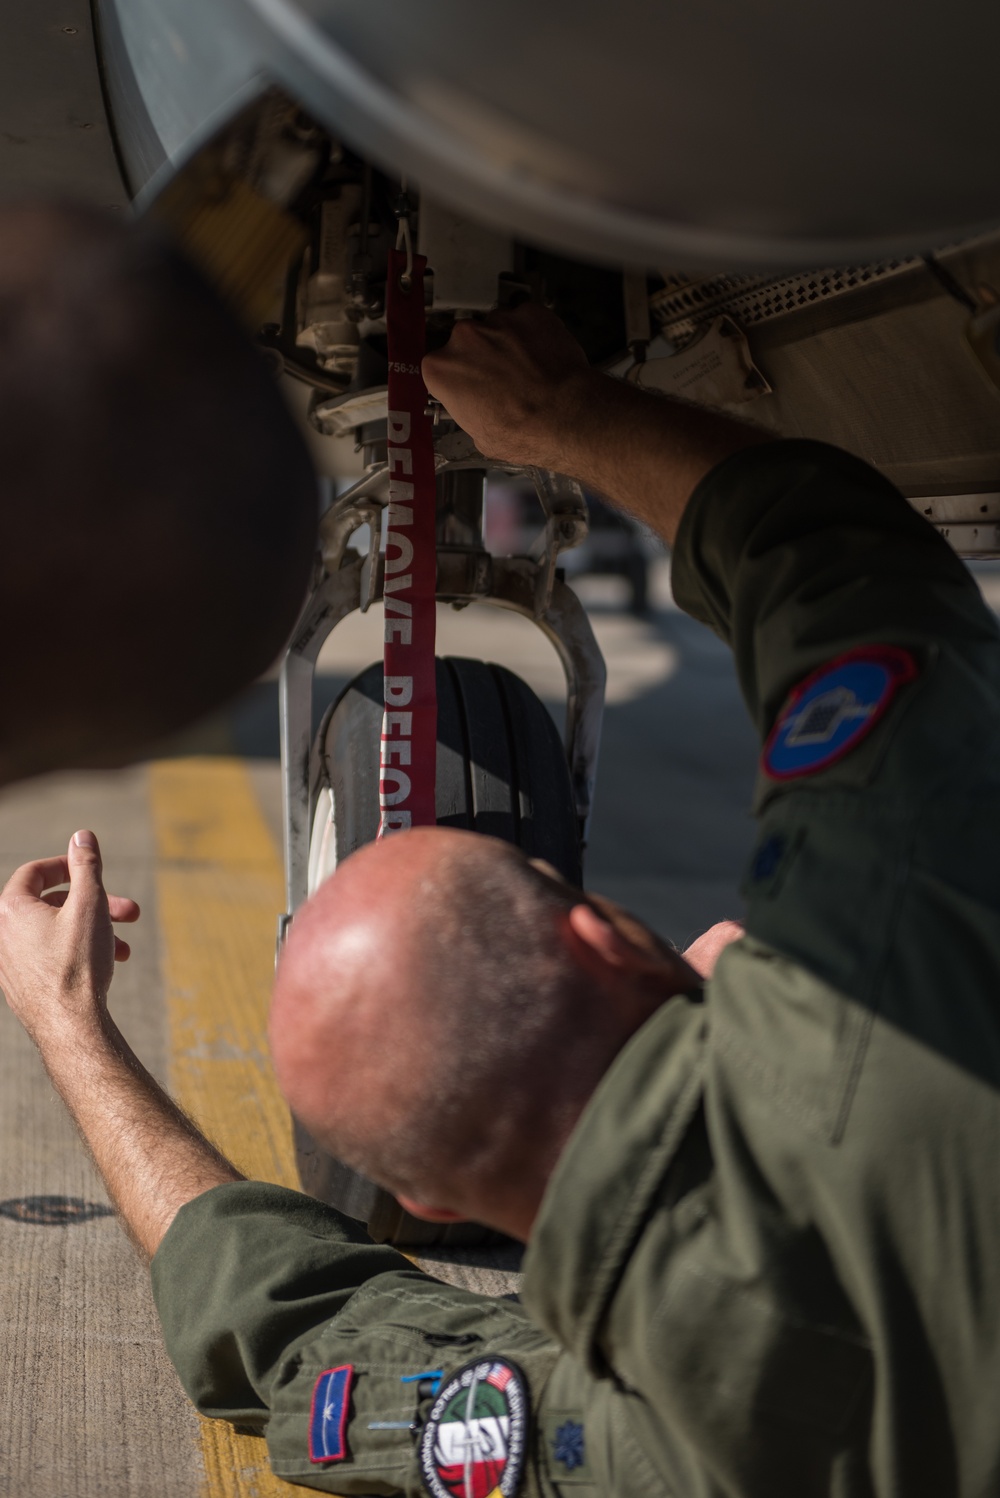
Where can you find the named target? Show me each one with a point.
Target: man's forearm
(522, 388)
(643, 451)
(57, 958)
(151, 1157)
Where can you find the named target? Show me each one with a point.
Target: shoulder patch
(328, 1415)
(475, 1440)
(828, 714)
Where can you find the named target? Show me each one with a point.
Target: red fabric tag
(408, 764)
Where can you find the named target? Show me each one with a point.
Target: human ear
(621, 941)
(426, 1213)
(597, 932)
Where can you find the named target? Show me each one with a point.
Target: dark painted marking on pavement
(52, 1211)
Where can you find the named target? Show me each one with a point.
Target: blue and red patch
(829, 713)
(328, 1415)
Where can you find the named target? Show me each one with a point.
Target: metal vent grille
(684, 305)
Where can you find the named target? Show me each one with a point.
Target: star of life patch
(474, 1442)
(830, 712)
(328, 1414)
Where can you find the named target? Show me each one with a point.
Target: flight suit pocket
(750, 1350)
(791, 1007)
(352, 1400)
(760, 1356)
(783, 1040)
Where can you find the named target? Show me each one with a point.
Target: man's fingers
(120, 907)
(122, 950)
(84, 849)
(33, 878)
(462, 353)
(84, 860)
(123, 909)
(81, 866)
(705, 952)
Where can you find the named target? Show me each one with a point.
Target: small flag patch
(328, 1415)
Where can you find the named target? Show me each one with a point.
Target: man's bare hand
(517, 381)
(520, 385)
(58, 948)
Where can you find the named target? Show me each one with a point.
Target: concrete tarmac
(89, 1404)
(90, 1407)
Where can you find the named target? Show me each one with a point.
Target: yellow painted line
(219, 890)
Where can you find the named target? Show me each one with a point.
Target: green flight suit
(768, 1262)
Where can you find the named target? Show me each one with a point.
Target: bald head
(157, 505)
(439, 1021)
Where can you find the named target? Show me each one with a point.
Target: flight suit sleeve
(813, 567)
(795, 552)
(243, 1271)
(283, 1317)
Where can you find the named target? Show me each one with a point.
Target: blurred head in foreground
(157, 504)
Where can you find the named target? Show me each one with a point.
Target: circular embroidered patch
(475, 1440)
(829, 713)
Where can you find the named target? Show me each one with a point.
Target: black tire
(502, 771)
